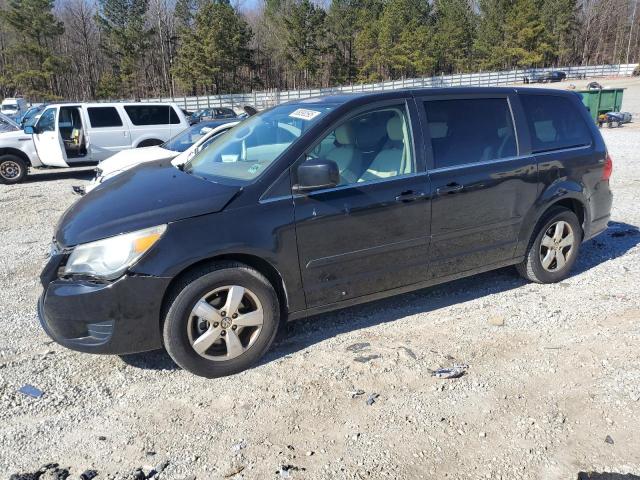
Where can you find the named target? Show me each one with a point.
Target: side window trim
(412, 123)
(515, 113)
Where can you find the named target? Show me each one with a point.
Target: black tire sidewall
(23, 169)
(175, 326)
(541, 274)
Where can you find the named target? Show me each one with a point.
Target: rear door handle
(409, 196)
(449, 188)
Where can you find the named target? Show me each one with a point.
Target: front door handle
(449, 188)
(409, 196)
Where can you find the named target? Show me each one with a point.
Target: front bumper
(117, 317)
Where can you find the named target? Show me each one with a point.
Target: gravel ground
(553, 372)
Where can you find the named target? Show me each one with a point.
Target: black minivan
(320, 204)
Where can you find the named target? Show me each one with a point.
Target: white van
(14, 107)
(81, 133)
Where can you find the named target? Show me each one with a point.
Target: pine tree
(367, 40)
(305, 32)
(560, 18)
(490, 37)
(455, 31)
(404, 42)
(342, 29)
(525, 41)
(214, 50)
(33, 63)
(126, 39)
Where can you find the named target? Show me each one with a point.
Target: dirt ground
(552, 388)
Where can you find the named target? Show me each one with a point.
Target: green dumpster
(602, 101)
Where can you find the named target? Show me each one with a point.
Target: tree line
(99, 49)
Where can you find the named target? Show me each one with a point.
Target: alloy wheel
(225, 323)
(556, 246)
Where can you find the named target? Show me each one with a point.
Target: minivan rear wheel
(221, 320)
(553, 248)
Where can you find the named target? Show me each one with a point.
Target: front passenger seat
(392, 159)
(344, 153)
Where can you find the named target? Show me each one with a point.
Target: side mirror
(315, 174)
(30, 129)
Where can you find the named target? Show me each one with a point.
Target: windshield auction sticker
(304, 114)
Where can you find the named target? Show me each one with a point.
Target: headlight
(109, 258)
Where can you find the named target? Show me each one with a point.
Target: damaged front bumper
(118, 317)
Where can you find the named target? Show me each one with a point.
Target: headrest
(394, 128)
(344, 134)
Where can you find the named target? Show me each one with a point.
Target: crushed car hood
(133, 156)
(149, 194)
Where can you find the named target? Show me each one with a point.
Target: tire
(149, 143)
(532, 268)
(13, 169)
(208, 291)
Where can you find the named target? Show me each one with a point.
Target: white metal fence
(264, 99)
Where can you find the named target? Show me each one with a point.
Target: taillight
(608, 168)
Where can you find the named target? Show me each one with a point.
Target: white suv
(80, 133)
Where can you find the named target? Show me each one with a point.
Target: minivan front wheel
(221, 320)
(553, 248)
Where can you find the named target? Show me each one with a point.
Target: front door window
(372, 146)
(47, 122)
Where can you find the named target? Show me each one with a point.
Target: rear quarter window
(101, 117)
(555, 123)
(141, 115)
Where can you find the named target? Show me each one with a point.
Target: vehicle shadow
(615, 242)
(47, 175)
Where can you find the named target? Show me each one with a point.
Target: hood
(128, 158)
(150, 194)
(12, 137)
(8, 124)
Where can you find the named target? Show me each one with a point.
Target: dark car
(211, 114)
(321, 204)
(545, 77)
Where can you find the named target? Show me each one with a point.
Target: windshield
(31, 117)
(9, 108)
(247, 150)
(187, 137)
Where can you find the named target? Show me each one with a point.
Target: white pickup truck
(80, 133)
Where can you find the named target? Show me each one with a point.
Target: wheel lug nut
(233, 327)
(235, 315)
(215, 324)
(223, 333)
(223, 313)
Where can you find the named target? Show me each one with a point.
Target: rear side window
(554, 123)
(470, 130)
(101, 117)
(151, 114)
